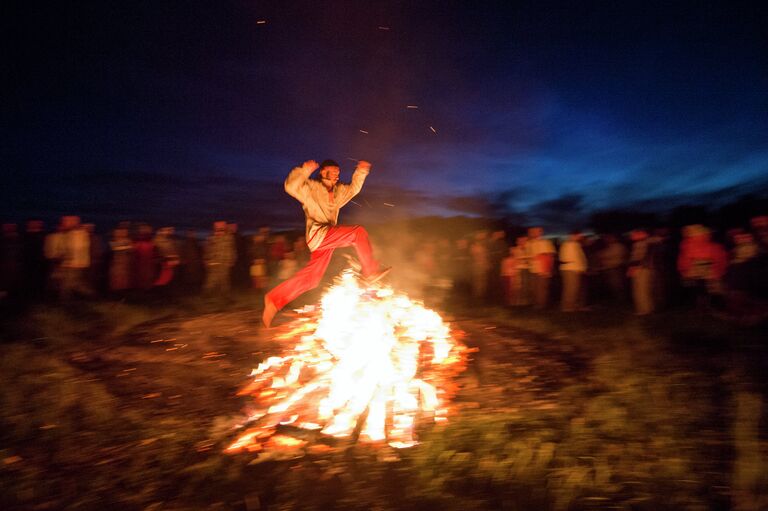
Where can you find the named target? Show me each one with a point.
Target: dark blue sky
(179, 112)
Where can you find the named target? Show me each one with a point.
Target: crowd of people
(652, 270)
(74, 261)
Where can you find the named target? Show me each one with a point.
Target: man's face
(330, 175)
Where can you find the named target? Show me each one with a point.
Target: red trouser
(309, 277)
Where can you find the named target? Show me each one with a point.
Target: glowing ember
(368, 363)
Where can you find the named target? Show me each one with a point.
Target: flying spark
(363, 131)
(261, 22)
(433, 130)
(383, 28)
(388, 204)
(412, 106)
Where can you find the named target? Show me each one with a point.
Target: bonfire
(367, 364)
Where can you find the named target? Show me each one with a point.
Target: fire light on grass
(367, 364)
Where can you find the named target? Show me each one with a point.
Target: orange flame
(368, 362)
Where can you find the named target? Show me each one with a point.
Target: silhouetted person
(121, 262)
(35, 267)
(10, 261)
(702, 264)
(76, 259)
(192, 269)
(240, 270)
(759, 227)
(542, 254)
(510, 278)
(613, 261)
(523, 266)
(497, 250)
(573, 266)
(168, 253)
(95, 273)
(278, 246)
(287, 266)
(425, 266)
(300, 251)
(662, 263)
(54, 249)
(640, 271)
(219, 259)
(460, 269)
(259, 251)
(145, 258)
(480, 266)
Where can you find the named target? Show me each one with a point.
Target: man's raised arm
(296, 182)
(358, 178)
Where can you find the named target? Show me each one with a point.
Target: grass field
(129, 406)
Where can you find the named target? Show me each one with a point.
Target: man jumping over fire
(321, 200)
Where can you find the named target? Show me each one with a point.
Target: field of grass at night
(130, 405)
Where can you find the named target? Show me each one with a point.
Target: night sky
(182, 112)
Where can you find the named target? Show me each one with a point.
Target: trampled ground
(131, 406)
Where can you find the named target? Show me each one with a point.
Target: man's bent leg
(345, 235)
(302, 281)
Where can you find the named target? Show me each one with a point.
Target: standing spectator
(425, 266)
(641, 273)
(168, 252)
(76, 260)
(300, 251)
(542, 256)
(523, 267)
(10, 261)
(277, 250)
(613, 260)
(53, 249)
(191, 268)
(460, 265)
(34, 259)
(702, 264)
(744, 247)
(95, 272)
(497, 250)
(219, 259)
(510, 277)
(260, 245)
(759, 226)
(661, 262)
(258, 272)
(241, 268)
(145, 258)
(259, 254)
(573, 265)
(480, 266)
(287, 266)
(121, 264)
(590, 282)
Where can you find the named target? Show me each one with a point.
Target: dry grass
(556, 412)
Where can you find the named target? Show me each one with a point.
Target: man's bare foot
(377, 276)
(269, 312)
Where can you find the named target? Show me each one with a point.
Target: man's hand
(310, 166)
(364, 165)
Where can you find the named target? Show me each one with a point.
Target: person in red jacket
(321, 200)
(701, 263)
